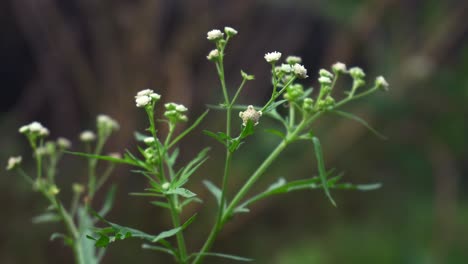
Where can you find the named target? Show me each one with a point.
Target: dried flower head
(250, 114)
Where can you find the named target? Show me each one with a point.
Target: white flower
(107, 122)
(142, 101)
(181, 108)
(286, 68)
(293, 60)
(230, 31)
(44, 132)
(357, 73)
(13, 162)
(214, 54)
(53, 190)
(148, 140)
(250, 114)
(300, 71)
(325, 73)
(324, 80)
(78, 188)
(144, 92)
(214, 34)
(87, 136)
(63, 143)
(146, 96)
(24, 129)
(35, 127)
(339, 67)
(272, 57)
(381, 82)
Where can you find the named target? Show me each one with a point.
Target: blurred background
(64, 62)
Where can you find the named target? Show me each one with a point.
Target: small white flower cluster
(87, 136)
(106, 122)
(63, 143)
(250, 114)
(230, 31)
(13, 162)
(291, 60)
(214, 34)
(213, 55)
(357, 73)
(175, 112)
(381, 82)
(272, 57)
(35, 128)
(339, 67)
(325, 77)
(300, 71)
(146, 97)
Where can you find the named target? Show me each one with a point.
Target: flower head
(214, 34)
(87, 136)
(213, 55)
(300, 71)
(165, 185)
(286, 68)
(230, 31)
(357, 73)
(106, 122)
(35, 128)
(13, 162)
(325, 73)
(381, 82)
(273, 57)
(145, 97)
(63, 143)
(175, 112)
(250, 114)
(339, 67)
(293, 60)
(325, 80)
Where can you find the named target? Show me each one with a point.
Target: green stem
(276, 95)
(354, 97)
(176, 222)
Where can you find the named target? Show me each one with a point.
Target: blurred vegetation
(63, 62)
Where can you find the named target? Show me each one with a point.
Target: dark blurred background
(64, 62)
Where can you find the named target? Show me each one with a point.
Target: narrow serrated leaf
(321, 168)
(361, 121)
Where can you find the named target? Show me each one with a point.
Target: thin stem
(276, 95)
(238, 92)
(176, 222)
(354, 97)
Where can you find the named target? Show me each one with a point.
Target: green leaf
(214, 190)
(171, 160)
(147, 174)
(173, 231)
(182, 192)
(220, 136)
(359, 187)
(108, 201)
(276, 133)
(274, 105)
(321, 168)
(66, 240)
(221, 255)
(191, 167)
(46, 218)
(189, 200)
(188, 130)
(106, 158)
(149, 194)
(158, 248)
(161, 204)
(361, 121)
